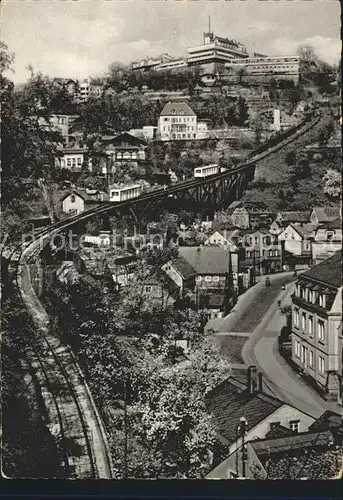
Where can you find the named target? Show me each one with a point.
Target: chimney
(260, 382)
(252, 379)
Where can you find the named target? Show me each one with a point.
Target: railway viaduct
(72, 414)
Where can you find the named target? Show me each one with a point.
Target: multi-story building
(265, 68)
(123, 148)
(317, 319)
(177, 121)
(151, 63)
(214, 52)
(88, 89)
(229, 59)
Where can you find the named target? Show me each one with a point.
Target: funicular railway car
(125, 193)
(201, 172)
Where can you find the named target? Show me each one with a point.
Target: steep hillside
(284, 184)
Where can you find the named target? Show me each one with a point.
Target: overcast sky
(79, 38)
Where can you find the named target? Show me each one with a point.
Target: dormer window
(329, 235)
(173, 111)
(72, 198)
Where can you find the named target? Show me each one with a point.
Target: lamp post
(240, 433)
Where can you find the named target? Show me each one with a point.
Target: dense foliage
(127, 345)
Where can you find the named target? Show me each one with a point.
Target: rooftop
(292, 443)
(183, 267)
(328, 271)
(207, 260)
(230, 400)
(177, 108)
(326, 214)
(294, 216)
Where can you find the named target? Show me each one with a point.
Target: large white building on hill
(217, 54)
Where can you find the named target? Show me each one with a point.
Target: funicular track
(73, 417)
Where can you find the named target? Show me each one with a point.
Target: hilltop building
(230, 58)
(263, 69)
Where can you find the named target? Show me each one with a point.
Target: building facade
(317, 319)
(327, 240)
(177, 121)
(265, 68)
(73, 159)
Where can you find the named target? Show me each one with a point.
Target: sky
(80, 38)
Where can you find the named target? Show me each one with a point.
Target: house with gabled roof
(124, 148)
(181, 272)
(243, 412)
(222, 239)
(316, 326)
(78, 200)
(177, 121)
(296, 243)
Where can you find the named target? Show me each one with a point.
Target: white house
(297, 238)
(78, 200)
(221, 239)
(177, 121)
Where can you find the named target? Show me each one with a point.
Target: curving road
(256, 319)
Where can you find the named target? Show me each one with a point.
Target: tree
(242, 111)
(333, 183)
(307, 54)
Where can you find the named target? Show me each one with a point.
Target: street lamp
(240, 433)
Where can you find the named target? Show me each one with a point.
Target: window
(79, 160)
(208, 278)
(72, 198)
(297, 348)
(304, 355)
(321, 331)
(310, 325)
(296, 317)
(321, 365)
(294, 425)
(310, 362)
(329, 235)
(215, 278)
(68, 162)
(303, 321)
(322, 300)
(148, 288)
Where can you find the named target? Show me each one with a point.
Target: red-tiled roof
(177, 108)
(207, 260)
(327, 272)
